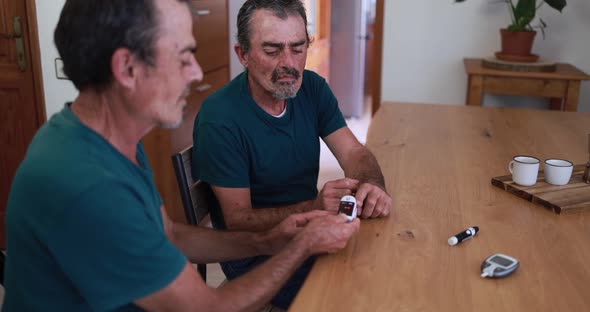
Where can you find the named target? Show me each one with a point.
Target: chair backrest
(197, 196)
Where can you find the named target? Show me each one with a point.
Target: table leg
(474, 90)
(572, 95)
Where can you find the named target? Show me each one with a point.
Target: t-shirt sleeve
(219, 158)
(112, 249)
(330, 117)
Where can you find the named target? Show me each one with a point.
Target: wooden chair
(197, 196)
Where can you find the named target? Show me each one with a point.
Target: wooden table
(438, 162)
(561, 86)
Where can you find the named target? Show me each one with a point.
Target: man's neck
(265, 99)
(106, 114)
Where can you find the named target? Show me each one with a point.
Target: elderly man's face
(278, 51)
(164, 87)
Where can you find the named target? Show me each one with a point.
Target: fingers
(340, 218)
(302, 219)
(333, 191)
(373, 202)
(345, 232)
(342, 184)
(330, 233)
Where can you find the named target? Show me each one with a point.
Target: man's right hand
(330, 195)
(327, 234)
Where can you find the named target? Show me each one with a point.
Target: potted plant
(517, 38)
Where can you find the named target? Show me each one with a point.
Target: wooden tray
(572, 197)
(538, 66)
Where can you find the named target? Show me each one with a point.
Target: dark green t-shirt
(239, 145)
(84, 228)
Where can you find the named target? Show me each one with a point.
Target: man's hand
(283, 233)
(329, 197)
(327, 234)
(372, 201)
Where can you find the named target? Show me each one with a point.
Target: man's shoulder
(312, 85)
(63, 157)
(311, 77)
(226, 105)
(226, 95)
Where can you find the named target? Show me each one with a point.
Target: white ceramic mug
(558, 171)
(524, 170)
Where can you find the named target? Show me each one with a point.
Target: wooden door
(21, 105)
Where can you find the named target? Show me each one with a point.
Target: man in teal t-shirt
(106, 227)
(86, 228)
(239, 145)
(256, 140)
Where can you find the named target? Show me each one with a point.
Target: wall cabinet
(210, 28)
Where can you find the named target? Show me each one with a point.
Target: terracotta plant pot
(517, 42)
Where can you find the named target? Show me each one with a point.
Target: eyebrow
(282, 45)
(190, 48)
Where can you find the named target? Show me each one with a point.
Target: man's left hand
(372, 201)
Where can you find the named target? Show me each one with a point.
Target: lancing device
(465, 235)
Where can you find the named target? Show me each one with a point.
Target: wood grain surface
(571, 197)
(438, 161)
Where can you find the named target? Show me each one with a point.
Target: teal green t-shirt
(237, 144)
(84, 228)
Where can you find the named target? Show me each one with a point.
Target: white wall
(425, 42)
(235, 67)
(57, 92)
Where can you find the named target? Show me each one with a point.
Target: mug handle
(511, 166)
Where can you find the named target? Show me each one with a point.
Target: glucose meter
(498, 265)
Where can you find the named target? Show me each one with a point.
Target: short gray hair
(281, 8)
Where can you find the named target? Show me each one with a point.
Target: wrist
(301, 243)
(377, 183)
(263, 242)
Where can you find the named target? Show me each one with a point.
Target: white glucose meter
(498, 265)
(348, 207)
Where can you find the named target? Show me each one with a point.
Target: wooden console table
(561, 86)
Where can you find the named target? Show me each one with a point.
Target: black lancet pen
(465, 235)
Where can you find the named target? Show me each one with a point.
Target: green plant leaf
(557, 4)
(524, 12)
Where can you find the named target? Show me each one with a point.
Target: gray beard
(171, 126)
(285, 91)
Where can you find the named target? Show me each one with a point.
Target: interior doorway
(22, 108)
(334, 37)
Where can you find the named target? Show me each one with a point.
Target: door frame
(378, 55)
(35, 52)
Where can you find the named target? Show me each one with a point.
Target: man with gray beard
(256, 140)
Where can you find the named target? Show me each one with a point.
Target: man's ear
(124, 67)
(242, 56)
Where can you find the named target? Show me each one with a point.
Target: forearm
(363, 166)
(249, 219)
(256, 288)
(204, 245)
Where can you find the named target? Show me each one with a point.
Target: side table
(562, 86)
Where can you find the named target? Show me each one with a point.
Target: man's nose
(287, 59)
(195, 73)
